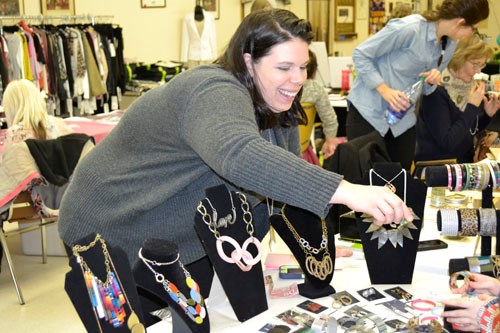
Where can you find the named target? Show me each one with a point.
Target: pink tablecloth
(91, 128)
(98, 130)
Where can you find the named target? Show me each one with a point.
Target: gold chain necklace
(112, 288)
(320, 269)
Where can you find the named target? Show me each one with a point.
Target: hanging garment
(196, 46)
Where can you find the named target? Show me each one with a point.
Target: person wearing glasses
(397, 56)
(449, 118)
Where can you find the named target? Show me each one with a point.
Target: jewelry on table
(193, 307)
(225, 220)
(398, 232)
(240, 253)
(388, 183)
(423, 304)
(341, 300)
(107, 297)
(320, 269)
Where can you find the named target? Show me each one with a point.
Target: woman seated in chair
(27, 116)
(450, 117)
(314, 93)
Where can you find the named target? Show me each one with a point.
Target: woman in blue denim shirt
(395, 57)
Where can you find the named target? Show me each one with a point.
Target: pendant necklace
(193, 307)
(228, 219)
(399, 231)
(320, 269)
(240, 255)
(388, 183)
(107, 297)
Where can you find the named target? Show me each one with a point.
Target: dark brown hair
(257, 34)
(472, 11)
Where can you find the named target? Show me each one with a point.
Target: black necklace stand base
(77, 291)
(153, 293)
(394, 264)
(309, 227)
(245, 290)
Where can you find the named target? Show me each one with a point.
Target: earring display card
(399, 293)
(345, 298)
(370, 294)
(312, 307)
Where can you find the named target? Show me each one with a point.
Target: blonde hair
(260, 4)
(470, 48)
(23, 104)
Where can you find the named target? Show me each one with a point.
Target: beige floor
(47, 307)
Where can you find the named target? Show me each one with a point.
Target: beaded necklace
(320, 269)
(107, 297)
(193, 307)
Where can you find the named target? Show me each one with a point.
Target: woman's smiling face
(279, 75)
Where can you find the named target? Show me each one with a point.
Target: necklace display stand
(389, 264)
(437, 176)
(245, 290)
(77, 291)
(309, 227)
(163, 251)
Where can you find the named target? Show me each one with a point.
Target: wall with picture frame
(154, 34)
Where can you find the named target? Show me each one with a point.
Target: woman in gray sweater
(234, 123)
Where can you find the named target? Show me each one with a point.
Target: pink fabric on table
(94, 129)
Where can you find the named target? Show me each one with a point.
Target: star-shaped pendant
(395, 236)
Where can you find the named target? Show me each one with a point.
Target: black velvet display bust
(164, 251)
(309, 227)
(245, 290)
(389, 264)
(77, 291)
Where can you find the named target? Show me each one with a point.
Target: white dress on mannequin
(199, 43)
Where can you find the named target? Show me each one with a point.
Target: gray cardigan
(146, 177)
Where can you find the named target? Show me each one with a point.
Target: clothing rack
(64, 18)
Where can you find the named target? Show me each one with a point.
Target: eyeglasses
(476, 65)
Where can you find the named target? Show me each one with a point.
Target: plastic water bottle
(413, 93)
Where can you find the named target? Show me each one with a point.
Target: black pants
(400, 149)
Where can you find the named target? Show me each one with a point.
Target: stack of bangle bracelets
(472, 176)
(468, 222)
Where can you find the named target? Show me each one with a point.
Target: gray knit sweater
(145, 179)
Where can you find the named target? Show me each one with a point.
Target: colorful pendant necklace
(107, 297)
(320, 269)
(193, 307)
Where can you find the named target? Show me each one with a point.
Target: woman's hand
(484, 284)
(476, 93)
(465, 318)
(432, 77)
(329, 146)
(397, 99)
(491, 105)
(377, 201)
